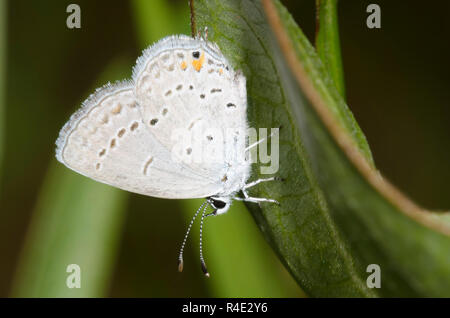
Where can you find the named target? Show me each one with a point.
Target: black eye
(196, 54)
(217, 204)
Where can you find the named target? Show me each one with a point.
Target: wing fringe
(93, 100)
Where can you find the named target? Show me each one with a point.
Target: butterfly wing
(107, 140)
(187, 83)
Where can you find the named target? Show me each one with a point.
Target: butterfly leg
(255, 200)
(251, 184)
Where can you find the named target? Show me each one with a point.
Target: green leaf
(382, 225)
(76, 221)
(327, 41)
(337, 215)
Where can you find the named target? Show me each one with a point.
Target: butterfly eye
(217, 204)
(196, 54)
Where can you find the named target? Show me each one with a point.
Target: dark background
(397, 85)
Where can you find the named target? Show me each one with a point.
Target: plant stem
(327, 41)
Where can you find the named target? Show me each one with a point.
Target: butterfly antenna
(261, 140)
(202, 260)
(180, 256)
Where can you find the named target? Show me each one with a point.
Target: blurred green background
(397, 85)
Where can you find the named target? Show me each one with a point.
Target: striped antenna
(202, 261)
(180, 256)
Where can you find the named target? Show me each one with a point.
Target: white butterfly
(123, 134)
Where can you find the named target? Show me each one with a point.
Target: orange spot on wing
(197, 64)
(183, 65)
(220, 71)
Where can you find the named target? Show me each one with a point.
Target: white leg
(251, 184)
(257, 200)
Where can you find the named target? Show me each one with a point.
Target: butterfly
(124, 133)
